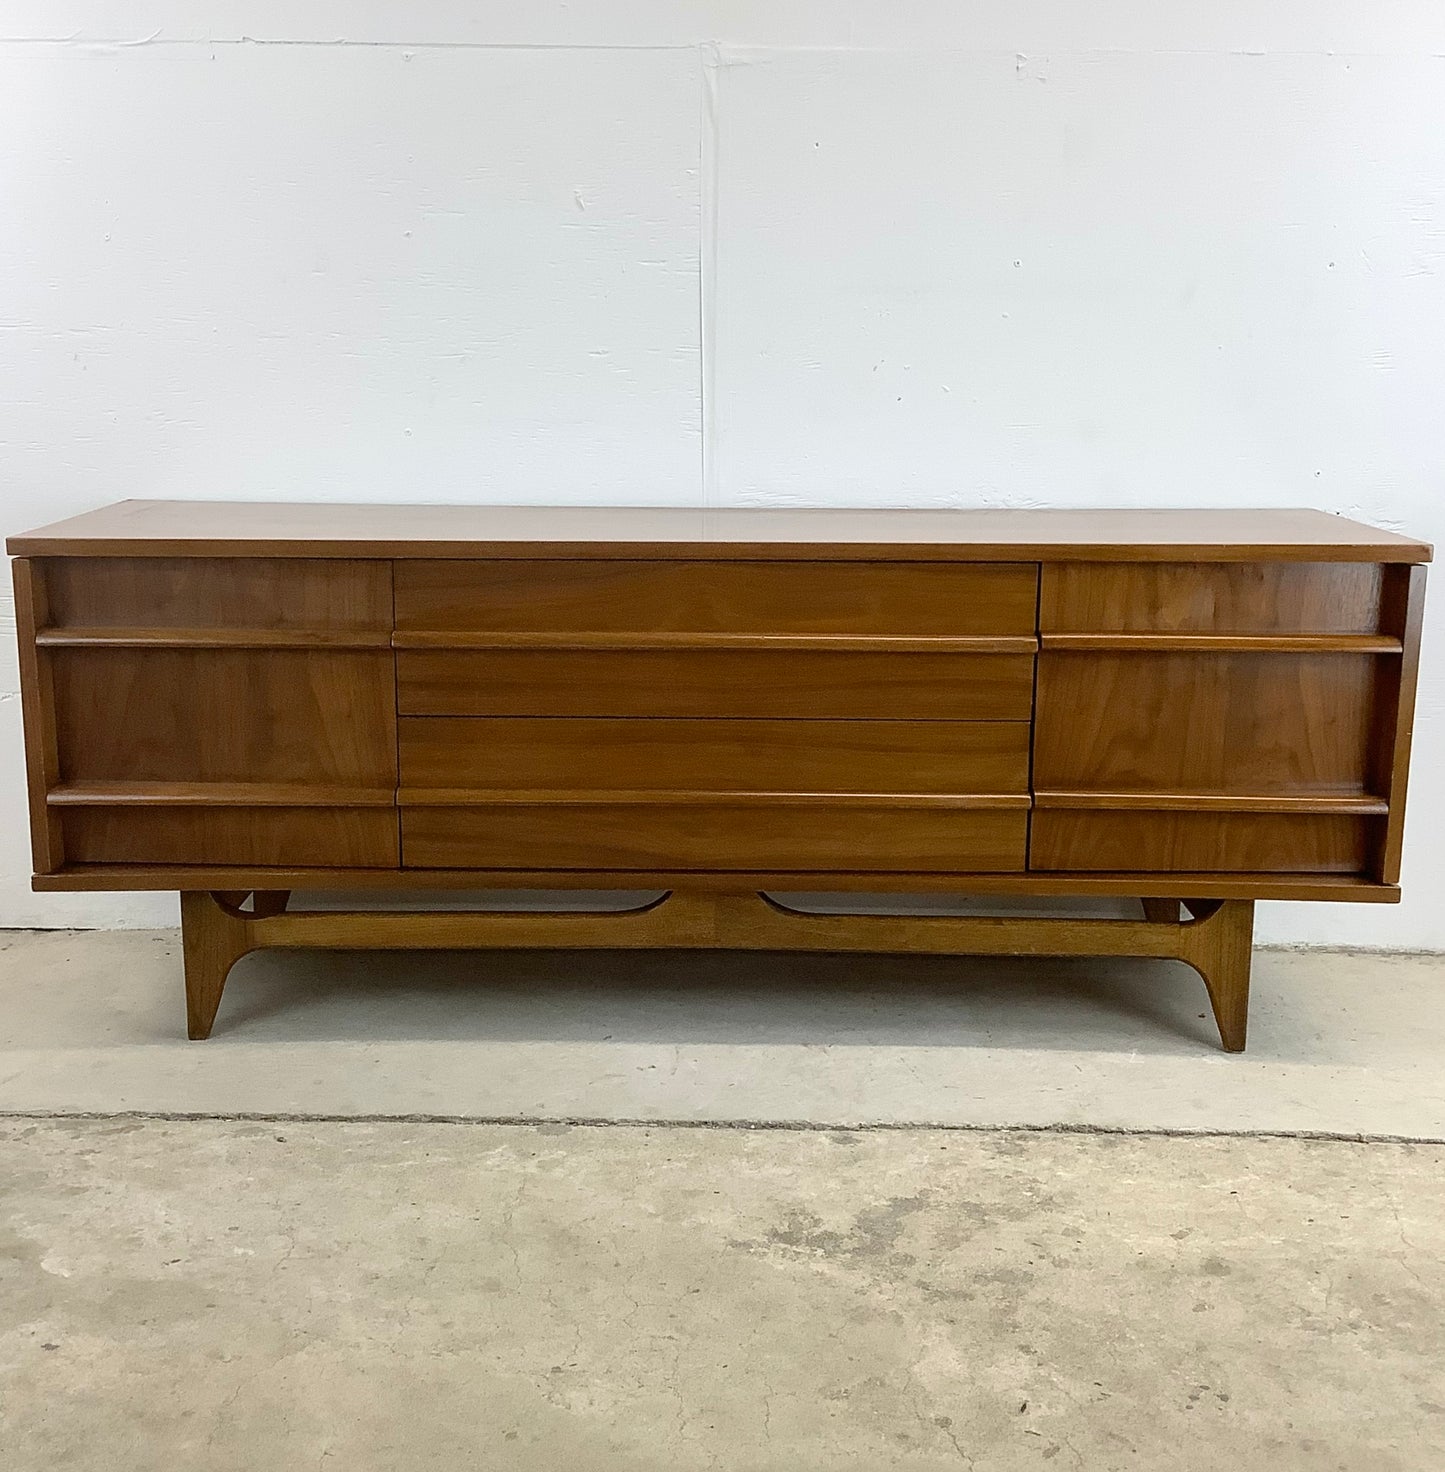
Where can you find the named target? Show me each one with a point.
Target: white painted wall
(734, 251)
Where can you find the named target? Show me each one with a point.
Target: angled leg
(213, 939)
(1219, 945)
(1161, 912)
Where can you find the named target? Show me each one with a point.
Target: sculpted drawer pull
(1226, 643)
(214, 638)
(890, 643)
(446, 797)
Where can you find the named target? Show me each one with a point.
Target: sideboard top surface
(274, 529)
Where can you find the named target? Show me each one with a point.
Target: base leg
(1223, 936)
(212, 941)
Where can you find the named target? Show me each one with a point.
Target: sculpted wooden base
(1213, 936)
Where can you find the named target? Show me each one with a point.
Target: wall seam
(708, 69)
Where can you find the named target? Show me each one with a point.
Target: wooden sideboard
(1192, 709)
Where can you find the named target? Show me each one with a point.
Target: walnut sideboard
(1194, 710)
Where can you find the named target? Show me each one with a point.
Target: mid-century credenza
(1191, 709)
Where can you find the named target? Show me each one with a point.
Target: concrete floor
(384, 1293)
(1348, 1044)
(234, 1295)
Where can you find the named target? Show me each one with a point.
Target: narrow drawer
(917, 600)
(1211, 598)
(352, 838)
(315, 598)
(1200, 842)
(600, 755)
(716, 682)
(615, 837)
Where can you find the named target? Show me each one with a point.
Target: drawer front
(301, 837)
(714, 837)
(716, 682)
(1211, 598)
(1254, 724)
(1201, 842)
(592, 755)
(916, 600)
(226, 715)
(318, 598)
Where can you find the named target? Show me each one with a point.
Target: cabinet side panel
(37, 703)
(1404, 615)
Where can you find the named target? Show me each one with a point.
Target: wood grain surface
(1204, 723)
(1394, 717)
(343, 837)
(222, 715)
(725, 683)
(864, 600)
(1211, 598)
(308, 595)
(763, 756)
(1127, 883)
(265, 529)
(1223, 842)
(1221, 705)
(714, 836)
